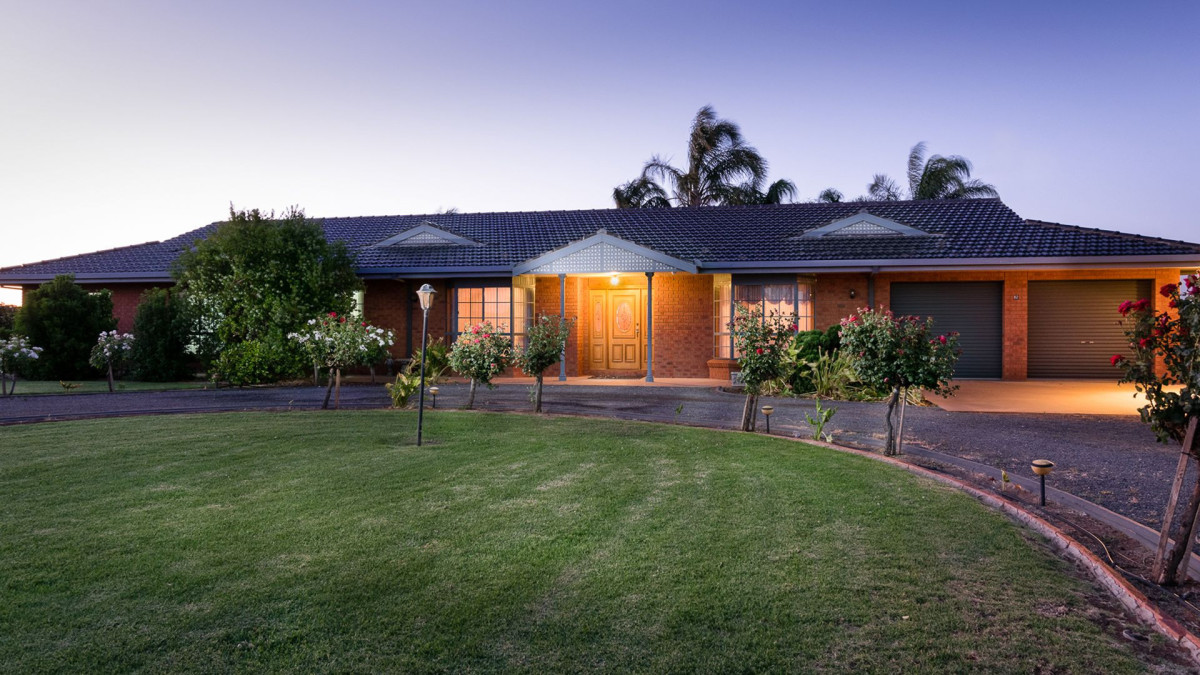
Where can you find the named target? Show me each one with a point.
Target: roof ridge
(1115, 233)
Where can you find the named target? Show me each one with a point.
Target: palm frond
(916, 167)
(882, 189)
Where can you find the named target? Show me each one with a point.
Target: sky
(123, 122)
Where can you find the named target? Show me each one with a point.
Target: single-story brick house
(653, 289)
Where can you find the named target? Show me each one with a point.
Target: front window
(787, 297)
(508, 307)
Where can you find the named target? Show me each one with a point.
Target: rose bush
(111, 352)
(480, 354)
(1172, 338)
(897, 353)
(759, 342)
(15, 353)
(336, 342)
(545, 341)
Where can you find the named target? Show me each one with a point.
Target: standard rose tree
(759, 342)
(337, 342)
(111, 353)
(480, 354)
(545, 342)
(899, 353)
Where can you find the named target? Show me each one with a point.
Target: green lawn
(329, 542)
(28, 387)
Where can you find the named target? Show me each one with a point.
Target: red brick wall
(125, 299)
(385, 304)
(683, 324)
(546, 301)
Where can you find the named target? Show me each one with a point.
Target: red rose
(942, 339)
(1143, 342)
(342, 320)
(364, 324)
(758, 351)
(333, 314)
(1173, 303)
(1117, 358)
(1167, 290)
(1125, 307)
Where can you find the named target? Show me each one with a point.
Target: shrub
(1174, 338)
(64, 319)
(111, 353)
(257, 361)
(897, 353)
(545, 341)
(404, 387)
(162, 326)
(480, 354)
(760, 342)
(8, 317)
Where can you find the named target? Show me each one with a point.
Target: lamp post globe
(425, 294)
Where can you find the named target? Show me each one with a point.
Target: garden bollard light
(767, 410)
(425, 293)
(433, 391)
(1042, 467)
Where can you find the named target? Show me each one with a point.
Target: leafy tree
(8, 317)
(480, 354)
(721, 170)
(1172, 338)
(934, 177)
(162, 326)
(256, 279)
(64, 320)
(545, 341)
(898, 353)
(760, 342)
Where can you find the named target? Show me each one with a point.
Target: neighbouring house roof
(943, 234)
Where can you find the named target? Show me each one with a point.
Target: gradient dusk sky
(126, 122)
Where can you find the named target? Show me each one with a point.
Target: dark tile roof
(955, 230)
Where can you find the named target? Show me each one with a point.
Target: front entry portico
(620, 321)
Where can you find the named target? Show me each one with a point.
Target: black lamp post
(425, 293)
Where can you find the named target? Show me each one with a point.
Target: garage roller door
(971, 308)
(1074, 326)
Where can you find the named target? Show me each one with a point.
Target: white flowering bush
(14, 353)
(337, 342)
(111, 353)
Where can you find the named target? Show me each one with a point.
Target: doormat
(622, 376)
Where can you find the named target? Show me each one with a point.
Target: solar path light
(1042, 467)
(425, 293)
(767, 410)
(433, 391)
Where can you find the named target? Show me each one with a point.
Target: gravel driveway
(1111, 460)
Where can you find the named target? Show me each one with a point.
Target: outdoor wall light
(614, 279)
(853, 293)
(767, 410)
(425, 293)
(1042, 467)
(433, 391)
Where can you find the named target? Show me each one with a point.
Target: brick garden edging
(1130, 597)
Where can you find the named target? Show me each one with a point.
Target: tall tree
(934, 177)
(721, 170)
(256, 279)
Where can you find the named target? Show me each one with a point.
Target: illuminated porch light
(614, 279)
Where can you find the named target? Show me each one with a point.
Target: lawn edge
(1125, 593)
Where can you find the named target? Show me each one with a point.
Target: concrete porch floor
(1073, 397)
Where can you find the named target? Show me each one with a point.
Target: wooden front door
(616, 335)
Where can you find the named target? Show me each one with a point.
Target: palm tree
(721, 169)
(830, 196)
(934, 178)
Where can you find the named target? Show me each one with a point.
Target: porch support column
(562, 311)
(649, 326)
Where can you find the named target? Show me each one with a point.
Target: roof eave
(949, 264)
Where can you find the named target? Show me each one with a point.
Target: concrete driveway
(1072, 397)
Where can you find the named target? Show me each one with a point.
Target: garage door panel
(1074, 327)
(973, 309)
